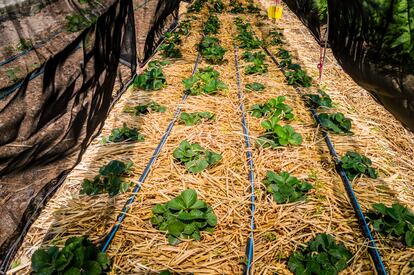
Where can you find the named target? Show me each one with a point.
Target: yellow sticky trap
(275, 11)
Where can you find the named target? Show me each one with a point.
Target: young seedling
(396, 221)
(145, 108)
(355, 164)
(195, 158)
(277, 135)
(258, 67)
(123, 134)
(255, 86)
(211, 50)
(169, 48)
(336, 123)
(322, 100)
(212, 25)
(190, 119)
(321, 256)
(286, 188)
(153, 78)
(110, 179)
(184, 217)
(205, 81)
(78, 256)
(275, 107)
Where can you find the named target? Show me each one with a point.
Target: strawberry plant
(336, 123)
(236, 7)
(321, 256)
(355, 164)
(197, 6)
(286, 58)
(212, 25)
(153, 78)
(274, 107)
(190, 119)
(258, 67)
(195, 157)
(276, 38)
(246, 37)
(255, 86)
(204, 81)
(396, 221)
(184, 217)
(297, 76)
(123, 134)
(110, 179)
(211, 50)
(216, 6)
(285, 188)
(78, 256)
(77, 21)
(252, 8)
(145, 108)
(277, 135)
(168, 48)
(184, 28)
(318, 101)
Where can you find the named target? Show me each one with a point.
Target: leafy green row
(275, 107)
(211, 50)
(212, 25)
(258, 66)
(190, 119)
(152, 78)
(145, 108)
(204, 81)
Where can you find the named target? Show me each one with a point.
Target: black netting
(374, 43)
(48, 118)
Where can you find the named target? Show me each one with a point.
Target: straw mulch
(138, 248)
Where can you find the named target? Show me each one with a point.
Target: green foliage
(396, 221)
(355, 164)
(204, 81)
(286, 58)
(274, 107)
(145, 108)
(77, 22)
(190, 119)
(197, 6)
(321, 7)
(236, 7)
(79, 256)
(184, 28)
(168, 48)
(212, 25)
(258, 59)
(110, 179)
(24, 44)
(336, 123)
(255, 86)
(252, 8)
(318, 101)
(211, 50)
(195, 157)
(297, 76)
(153, 78)
(277, 135)
(12, 74)
(216, 6)
(184, 217)
(246, 37)
(276, 38)
(123, 134)
(286, 188)
(321, 256)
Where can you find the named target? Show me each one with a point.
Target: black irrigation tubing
(372, 248)
(108, 239)
(250, 241)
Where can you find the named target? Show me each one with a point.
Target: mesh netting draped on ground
(50, 117)
(374, 43)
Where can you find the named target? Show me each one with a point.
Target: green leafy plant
(195, 157)
(246, 37)
(285, 188)
(274, 107)
(286, 58)
(169, 47)
(277, 135)
(317, 101)
(297, 76)
(236, 7)
(184, 217)
(276, 38)
(24, 44)
(216, 6)
(77, 22)
(321, 256)
(145, 108)
(78, 256)
(184, 28)
(337, 123)
(204, 81)
(153, 78)
(355, 164)
(211, 50)
(252, 8)
(110, 179)
(212, 25)
(197, 6)
(190, 119)
(396, 221)
(258, 59)
(123, 134)
(255, 86)
(12, 74)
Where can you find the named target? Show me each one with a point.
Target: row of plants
(173, 39)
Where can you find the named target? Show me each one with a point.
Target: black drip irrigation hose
(122, 215)
(250, 241)
(372, 248)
